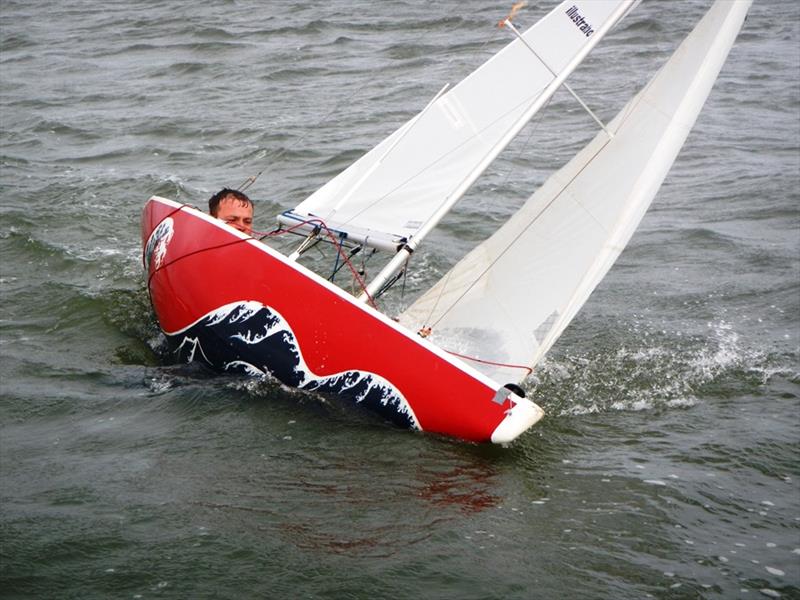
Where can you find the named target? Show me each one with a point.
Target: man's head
(233, 207)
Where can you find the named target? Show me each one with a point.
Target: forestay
(397, 189)
(510, 298)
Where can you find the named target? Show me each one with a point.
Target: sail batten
(548, 258)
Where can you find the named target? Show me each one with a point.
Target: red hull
(197, 266)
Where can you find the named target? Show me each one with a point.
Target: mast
(398, 261)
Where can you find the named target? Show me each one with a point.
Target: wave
(644, 369)
(252, 339)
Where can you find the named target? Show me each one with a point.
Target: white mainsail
(509, 299)
(404, 185)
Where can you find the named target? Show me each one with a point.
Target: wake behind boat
(238, 305)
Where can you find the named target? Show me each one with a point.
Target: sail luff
(397, 263)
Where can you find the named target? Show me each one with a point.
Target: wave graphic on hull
(250, 338)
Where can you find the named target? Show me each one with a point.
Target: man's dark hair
(213, 202)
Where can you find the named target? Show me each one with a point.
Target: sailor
(233, 207)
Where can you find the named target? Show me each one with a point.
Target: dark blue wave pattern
(249, 338)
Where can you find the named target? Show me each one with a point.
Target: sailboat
(453, 361)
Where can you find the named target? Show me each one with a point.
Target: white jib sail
(392, 192)
(510, 298)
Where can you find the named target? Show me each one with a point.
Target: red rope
(489, 362)
(339, 249)
(188, 254)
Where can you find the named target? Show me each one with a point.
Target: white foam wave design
(195, 345)
(246, 310)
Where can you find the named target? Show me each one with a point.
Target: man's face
(236, 213)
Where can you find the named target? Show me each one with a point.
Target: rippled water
(667, 465)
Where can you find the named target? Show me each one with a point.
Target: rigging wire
(339, 249)
(279, 154)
